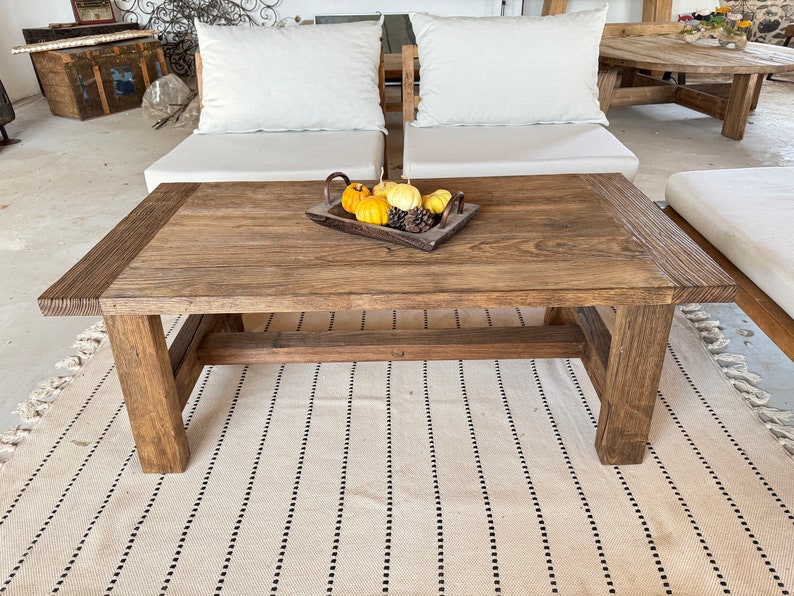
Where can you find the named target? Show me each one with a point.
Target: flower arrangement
(730, 29)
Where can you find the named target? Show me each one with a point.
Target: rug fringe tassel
(735, 369)
(46, 391)
(86, 344)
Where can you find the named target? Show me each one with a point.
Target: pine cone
(396, 218)
(418, 219)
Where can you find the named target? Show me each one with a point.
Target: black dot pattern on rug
(641, 518)
(718, 483)
(718, 574)
(67, 429)
(293, 503)
(533, 493)
(229, 562)
(591, 521)
(340, 508)
(475, 449)
(57, 443)
(434, 474)
(53, 514)
(205, 481)
(249, 489)
(387, 546)
(389, 484)
(156, 491)
(767, 485)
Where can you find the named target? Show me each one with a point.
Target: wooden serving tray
(331, 214)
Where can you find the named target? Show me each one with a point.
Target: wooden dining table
(645, 60)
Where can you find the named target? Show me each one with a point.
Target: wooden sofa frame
(762, 309)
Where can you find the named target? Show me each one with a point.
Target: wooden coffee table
(730, 102)
(568, 243)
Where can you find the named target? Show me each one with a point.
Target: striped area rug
(410, 478)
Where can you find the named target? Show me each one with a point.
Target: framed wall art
(90, 12)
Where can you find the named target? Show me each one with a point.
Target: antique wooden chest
(54, 33)
(85, 82)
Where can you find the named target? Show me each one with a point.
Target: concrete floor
(69, 182)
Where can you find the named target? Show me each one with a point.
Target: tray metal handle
(327, 187)
(457, 199)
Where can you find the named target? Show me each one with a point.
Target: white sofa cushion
(312, 77)
(748, 214)
(509, 70)
(270, 156)
(451, 151)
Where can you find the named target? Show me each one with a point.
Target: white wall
(19, 79)
(16, 71)
(620, 11)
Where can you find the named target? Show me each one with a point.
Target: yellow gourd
(436, 201)
(383, 186)
(352, 196)
(404, 196)
(381, 189)
(373, 210)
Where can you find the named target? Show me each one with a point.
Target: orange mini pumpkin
(352, 196)
(373, 210)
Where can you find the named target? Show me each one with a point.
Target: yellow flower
(722, 9)
(744, 23)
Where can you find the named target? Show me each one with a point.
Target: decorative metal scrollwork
(174, 20)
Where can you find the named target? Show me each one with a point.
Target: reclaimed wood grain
(78, 291)
(185, 364)
(651, 27)
(636, 356)
(739, 101)
(553, 242)
(150, 393)
(657, 10)
(697, 278)
(668, 53)
(598, 340)
(401, 344)
(410, 55)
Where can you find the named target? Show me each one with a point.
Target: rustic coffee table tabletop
(215, 251)
(730, 102)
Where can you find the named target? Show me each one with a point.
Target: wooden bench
(694, 194)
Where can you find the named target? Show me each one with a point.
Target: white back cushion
(509, 70)
(310, 77)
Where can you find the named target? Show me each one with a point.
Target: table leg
(147, 382)
(607, 75)
(627, 78)
(757, 93)
(636, 356)
(739, 101)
